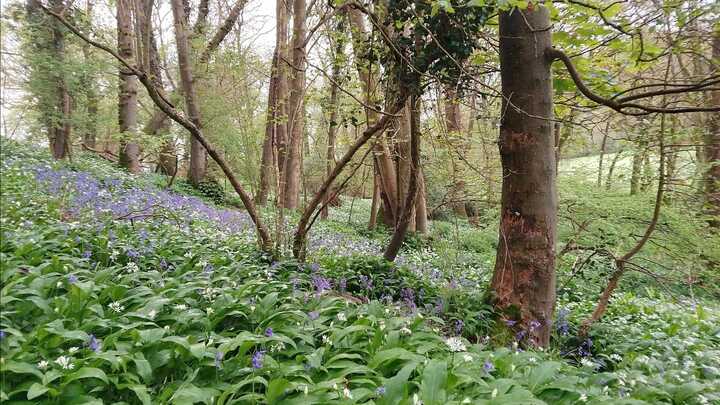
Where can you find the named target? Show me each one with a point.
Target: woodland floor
(116, 290)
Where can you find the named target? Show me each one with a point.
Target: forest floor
(116, 290)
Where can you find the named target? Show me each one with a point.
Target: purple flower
(314, 315)
(520, 335)
(269, 332)
(380, 391)
(87, 254)
(534, 325)
(488, 366)
(314, 267)
(218, 359)
(94, 344)
(132, 254)
(562, 324)
(72, 279)
(459, 325)
(163, 264)
(510, 323)
(257, 359)
(321, 284)
(2, 334)
(295, 283)
(208, 268)
(366, 282)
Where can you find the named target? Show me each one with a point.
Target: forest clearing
(378, 201)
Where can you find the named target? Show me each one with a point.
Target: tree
(127, 92)
(296, 115)
(523, 282)
(712, 145)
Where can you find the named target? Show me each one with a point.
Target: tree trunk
(407, 211)
(268, 154)
(293, 168)
(636, 172)
(90, 127)
(60, 128)
(453, 124)
(603, 145)
(332, 122)
(523, 283)
(611, 169)
(385, 169)
(421, 214)
(712, 149)
(127, 103)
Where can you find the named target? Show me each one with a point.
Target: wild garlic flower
(341, 316)
(132, 267)
(65, 362)
(152, 314)
(455, 344)
(405, 331)
(42, 365)
(116, 306)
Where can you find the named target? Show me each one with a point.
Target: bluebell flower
(488, 366)
(209, 268)
(2, 334)
(342, 285)
(315, 267)
(520, 335)
(257, 359)
(72, 279)
(510, 323)
(321, 284)
(132, 254)
(87, 254)
(218, 359)
(163, 264)
(269, 332)
(314, 315)
(459, 325)
(94, 344)
(380, 391)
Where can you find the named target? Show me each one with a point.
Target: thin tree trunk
(293, 168)
(375, 205)
(611, 169)
(384, 165)
(90, 129)
(407, 212)
(332, 122)
(128, 97)
(268, 154)
(603, 144)
(523, 283)
(636, 172)
(453, 124)
(421, 214)
(712, 149)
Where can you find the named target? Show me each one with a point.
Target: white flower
(152, 314)
(65, 362)
(188, 254)
(382, 324)
(181, 307)
(341, 316)
(209, 311)
(616, 357)
(326, 340)
(132, 267)
(583, 397)
(202, 263)
(117, 307)
(467, 358)
(416, 400)
(252, 308)
(587, 363)
(73, 349)
(405, 331)
(346, 393)
(455, 344)
(494, 393)
(42, 365)
(114, 255)
(59, 284)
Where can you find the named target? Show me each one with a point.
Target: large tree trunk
(293, 168)
(523, 283)
(127, 102)
(712, 148)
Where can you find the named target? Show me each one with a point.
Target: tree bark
(453, 124)
(332, 123)
(523, 283)
(268, 153)
(603, 145)
(407, 211)
(293, 167)
(386, 173)
(712, 148)
(90, 127)
(128, 97)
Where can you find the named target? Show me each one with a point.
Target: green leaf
(396, 387)
(276, 389)
(434, 380)
(36, 390)
(87, 372)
